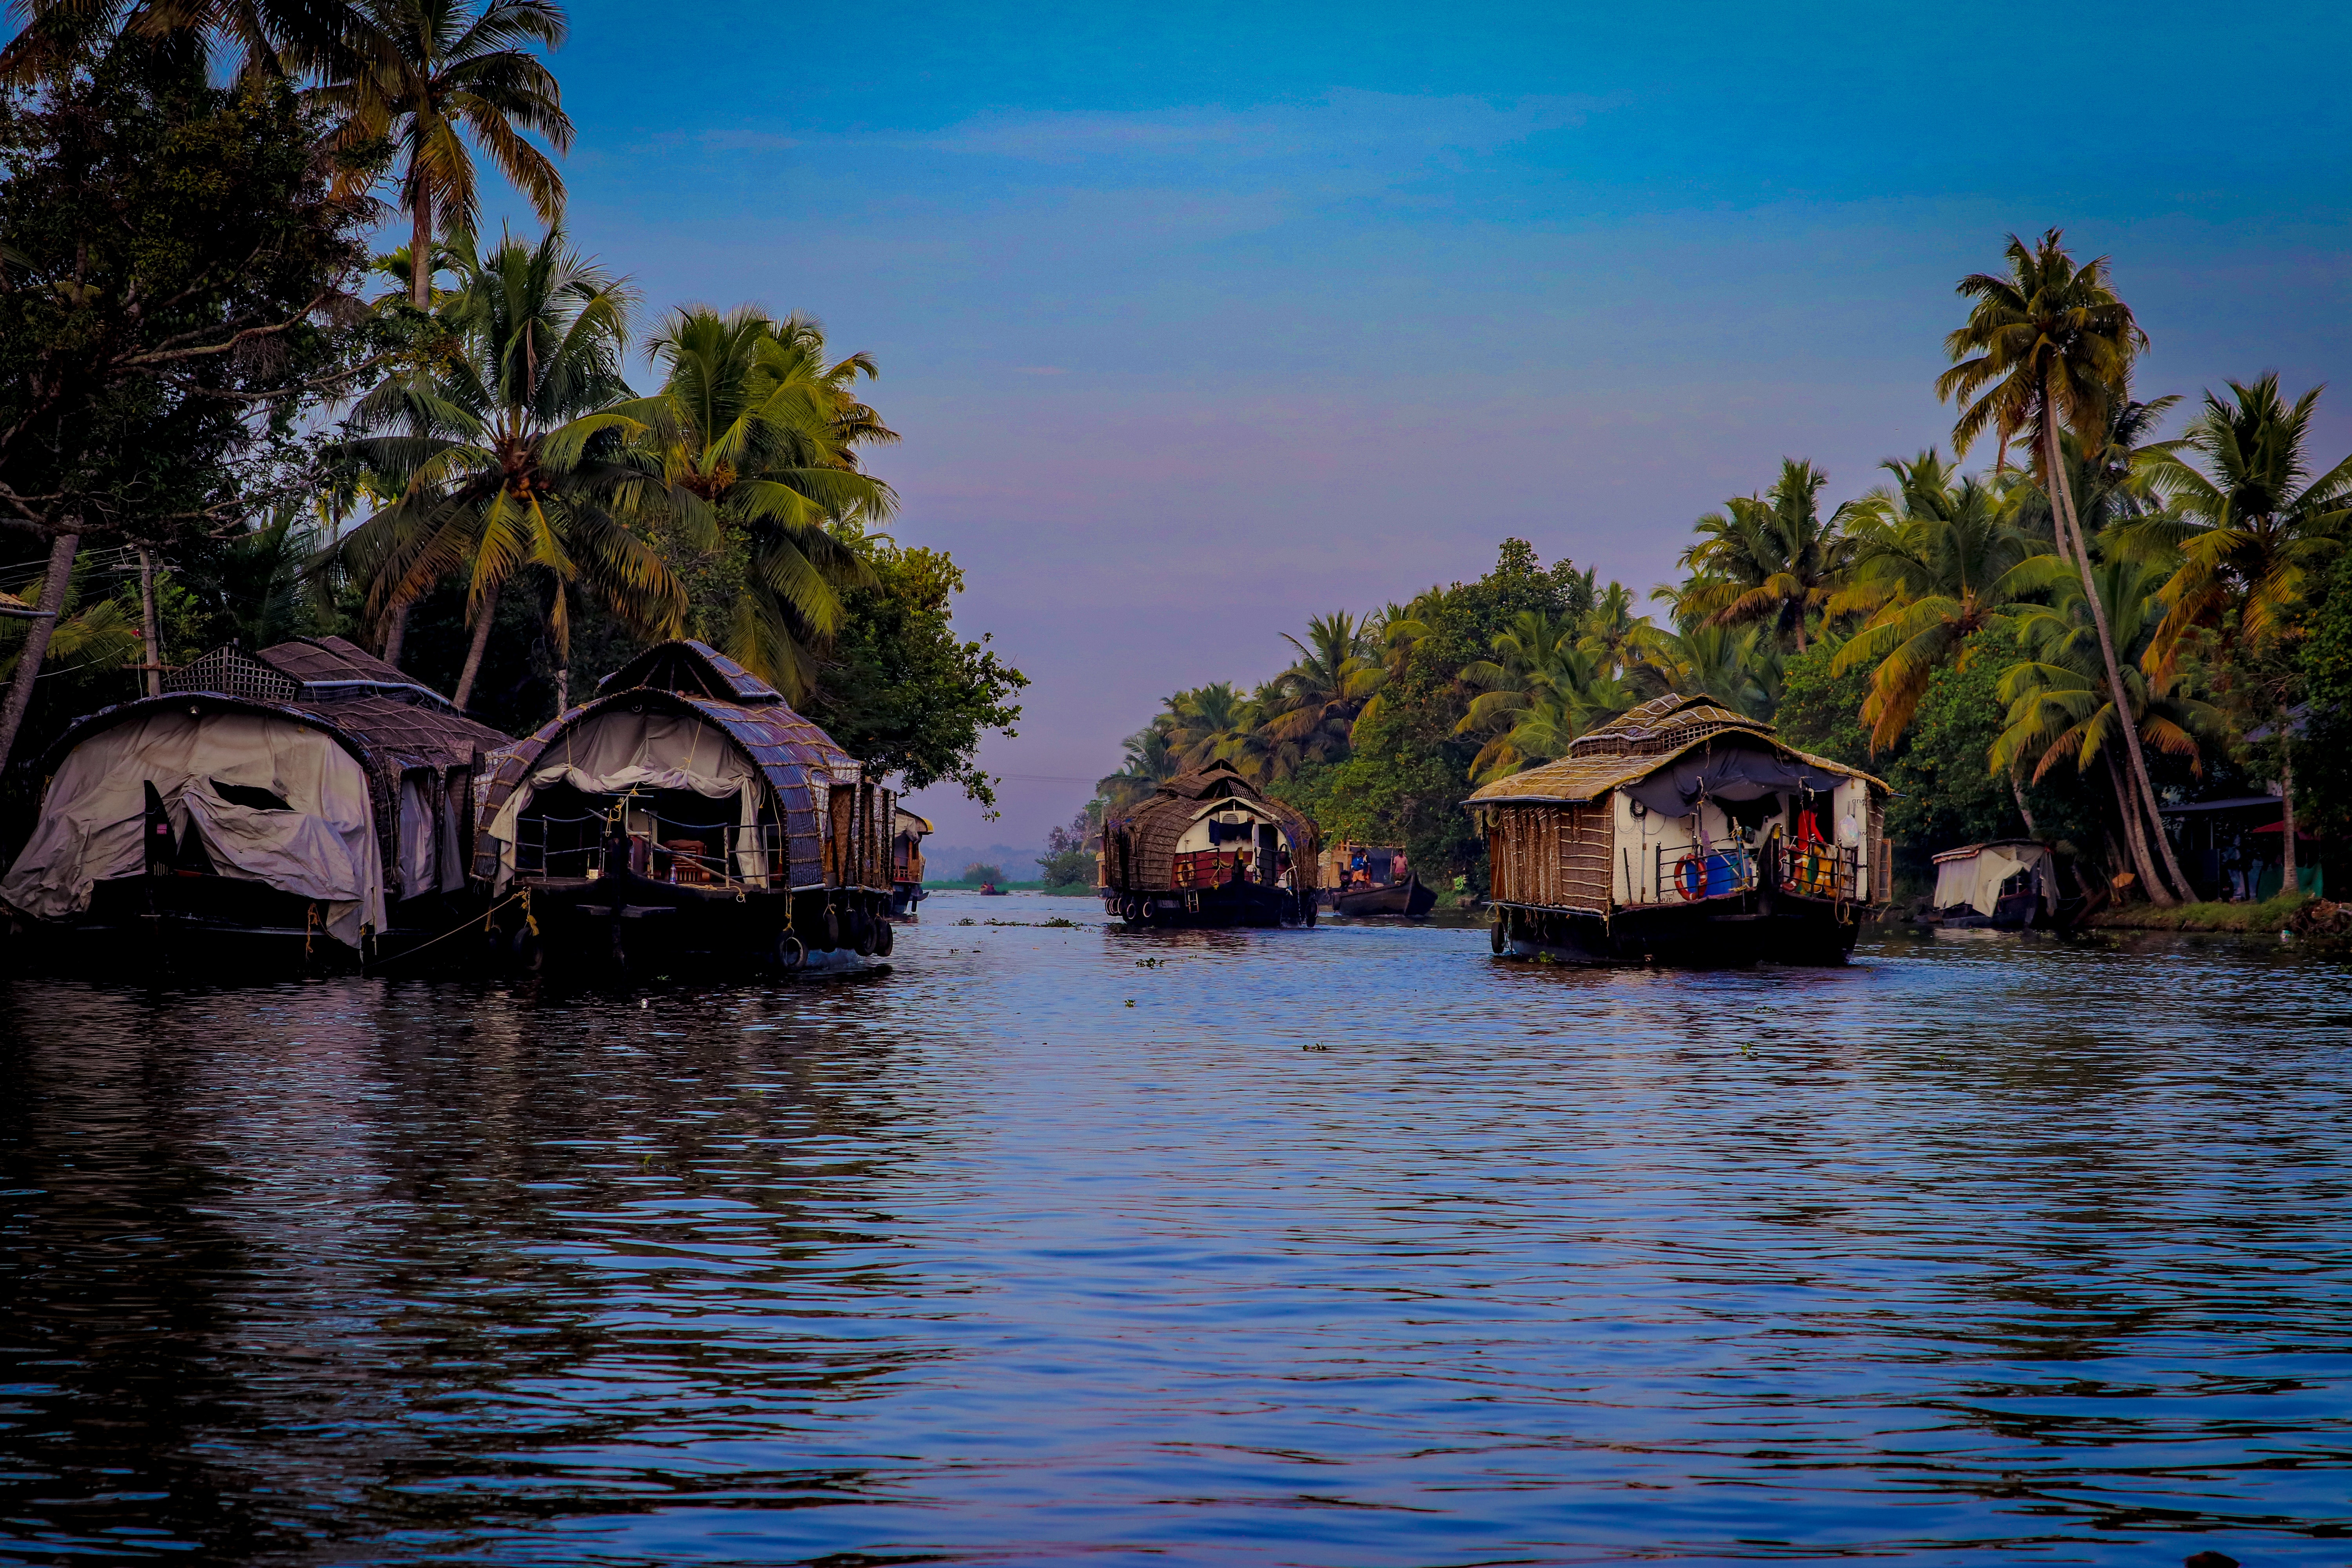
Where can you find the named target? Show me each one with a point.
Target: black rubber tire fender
(1496, 936)
(792, 952)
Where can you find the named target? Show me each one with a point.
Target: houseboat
(1361, 879)
(906, 863)
(1209, 849)
(2007, 884)
(685, 817)
(1681, 832)
(310, 803)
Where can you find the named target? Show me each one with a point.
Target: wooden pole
(149, 627)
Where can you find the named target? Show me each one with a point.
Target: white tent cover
(1975, 879)
(323, 847)
(618, 750)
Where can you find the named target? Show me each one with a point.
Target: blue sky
(1198, 321)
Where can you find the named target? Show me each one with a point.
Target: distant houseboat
(906, 863)
(685, 816)
(1360, 880)
(2009, 884)
(1209, 849)
(308, 804)
(1684, 832)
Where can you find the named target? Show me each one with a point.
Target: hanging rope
(521, 896)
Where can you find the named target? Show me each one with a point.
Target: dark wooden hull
(1408, 898)
(1234, 904)
(624, 924)
(1727, 934)
(227, 931)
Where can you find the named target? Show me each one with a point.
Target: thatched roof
(1638, 744)
(691, 677)
(405, 722)
(1150, 829)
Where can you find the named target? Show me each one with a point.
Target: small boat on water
(1208, 849)
(686, 818)
(1684, 832)
(991, 890)
(1367, 880)
(307, 806)
(907, 864)
(2003, 884)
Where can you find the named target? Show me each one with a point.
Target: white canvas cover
(323, 847)
(430, 857)
(618, 750)
(1975, 879)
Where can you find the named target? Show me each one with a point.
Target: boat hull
(628, 924)
(1408, 898)
(1234, 904)
(1721, 935)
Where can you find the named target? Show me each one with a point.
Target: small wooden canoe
(1407, 898)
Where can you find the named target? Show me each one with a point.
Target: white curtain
(618, 750)
(323, 846)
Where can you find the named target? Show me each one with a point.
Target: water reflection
(2010, 1249)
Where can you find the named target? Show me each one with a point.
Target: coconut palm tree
(1312, 706)
(508, 452)
(1539, 691)
(271, 39)
(2255, 527)
(2062, 706)
(1210, 724)
(1739, 667)
(1938, 562)
(1770, 559)
(1147, 763)
(441, 80)
(754, 439)
(1612, 634)
(2046, 344)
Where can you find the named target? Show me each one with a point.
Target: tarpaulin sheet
(323, 846)
(1975, 879)
(618, 751)
(1727, 774)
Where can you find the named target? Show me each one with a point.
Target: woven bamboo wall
(1556, 856)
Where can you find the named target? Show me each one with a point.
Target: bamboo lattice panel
(1554, 856)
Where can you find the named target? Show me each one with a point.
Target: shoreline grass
(2273, 914)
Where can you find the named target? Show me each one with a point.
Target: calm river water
(1346, 1246)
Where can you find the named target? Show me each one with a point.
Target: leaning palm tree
(2063, 707)
(753, 438)
(2046, 344)
(1211, 723)
(1147, 763)
(508, 452)
(1771, 558)
(1939, 562)
(1739, 667)
(439, 79)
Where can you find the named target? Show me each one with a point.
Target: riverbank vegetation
(2102, 619)
(224, 417)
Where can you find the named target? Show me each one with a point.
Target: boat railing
(1820, 870)
(746, 857)
(1701, 869)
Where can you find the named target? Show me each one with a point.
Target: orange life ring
(1690, 877)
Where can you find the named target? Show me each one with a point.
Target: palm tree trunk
(2017, 793)
(2288, 880)
(420, 251)
(37, 639)
(2062, 510)
(2134, 840)
(396, 632)
(150, 629)
(474, 651)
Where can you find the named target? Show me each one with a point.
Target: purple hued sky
(1201, 319)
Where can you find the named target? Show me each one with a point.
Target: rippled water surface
(1342, 1247)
